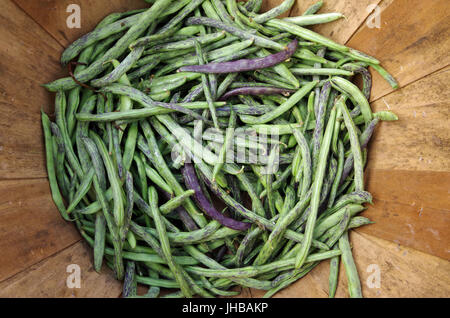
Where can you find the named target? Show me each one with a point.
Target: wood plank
(355, 13)
(404, 272)
(48, 279)
(31, 228)
(410, 208)
(52, 15)
(419, 227)
(420, 140)
(410, 46)
(414, 188)
(28, 58)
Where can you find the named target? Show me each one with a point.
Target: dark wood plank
(410, 224)
(28, 58)
(31, 228)
(49, 278)
(52, 16)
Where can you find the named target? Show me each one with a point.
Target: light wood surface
(408, 172)
(355, 13)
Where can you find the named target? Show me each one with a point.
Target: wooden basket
(408, 174)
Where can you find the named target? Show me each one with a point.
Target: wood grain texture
(413, 40)
(52, 15)
(355, 13)
(28, 58)
(404, 272)
(31, 228)
(419, 227)
(420, 140)
(49, 278)
(411, 208)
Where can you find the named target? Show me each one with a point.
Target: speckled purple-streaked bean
(340, 229)
(247, 110)
(193, 94)
(355, 112)
(364, 141)
(187, 43)
(337, 179)
(367, 77)
(274, 12)
(145, 100)
(246, 244)
(357, 197)
(244, 64)
(130, 285)
(327, 184)
(190, 7)
(188, 222)
(129, 189)
(118, 152)
(237, 55)
(358, 221)
(253, 5)
(259, 41)
(307, 162)
(331, 220)
(98, 34)
(122, 69)
(320, 122)
(145, 69)
(256, 91)
(191, 237)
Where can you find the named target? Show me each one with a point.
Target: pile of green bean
(138, 153)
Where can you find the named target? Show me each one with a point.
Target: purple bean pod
(190, 178)
(244, 64)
